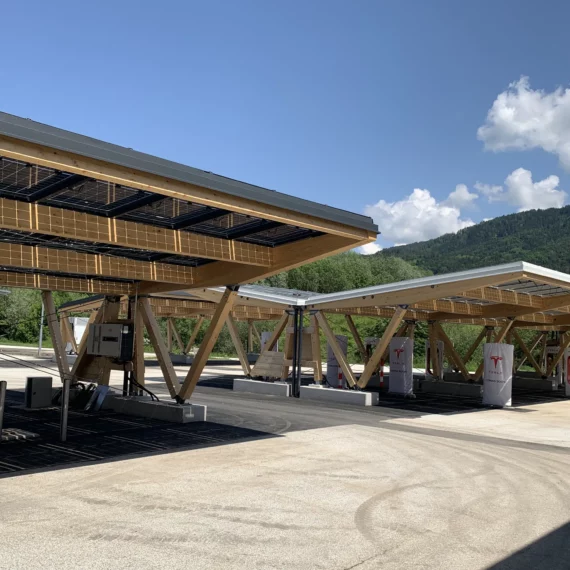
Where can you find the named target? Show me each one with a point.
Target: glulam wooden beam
(52, 221)
(55, 333)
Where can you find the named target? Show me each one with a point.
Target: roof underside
(72, 217)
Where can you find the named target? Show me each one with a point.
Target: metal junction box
(111, 340)
(38, 392)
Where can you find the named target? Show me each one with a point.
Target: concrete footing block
(541, 384)
(350, 397)
(453, 389)
(146, 408)
(259, 387)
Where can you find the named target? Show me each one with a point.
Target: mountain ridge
(541, 237)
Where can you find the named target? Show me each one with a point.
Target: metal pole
(3, 384)
(41, 330)
(297, 351)
(64, 409)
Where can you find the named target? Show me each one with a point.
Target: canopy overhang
(78, 214)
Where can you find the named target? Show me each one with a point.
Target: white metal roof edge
(245, 291)
(432, 280)
(540, 271)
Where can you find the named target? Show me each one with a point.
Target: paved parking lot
(332, 488)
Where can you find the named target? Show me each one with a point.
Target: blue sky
(342, 102)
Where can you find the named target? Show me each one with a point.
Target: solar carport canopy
(82, 215)
(528, 294)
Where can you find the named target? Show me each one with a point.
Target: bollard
(3, 384)
(64, 409)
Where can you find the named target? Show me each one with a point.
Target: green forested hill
(538, 236)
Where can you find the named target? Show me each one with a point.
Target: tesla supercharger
(440, 357)
(402, 366)
(335, 377)
(497, 374)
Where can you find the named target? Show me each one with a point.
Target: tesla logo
(496, 359)
(398, 351)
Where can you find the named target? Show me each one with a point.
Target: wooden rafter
(92, 265)
(285, 257)
(52, 221)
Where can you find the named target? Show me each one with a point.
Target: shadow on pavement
(550, 552)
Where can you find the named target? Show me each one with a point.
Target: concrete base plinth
(146, 408)
(350, 397)
(453, 388)
(259, 387)
(530, 383)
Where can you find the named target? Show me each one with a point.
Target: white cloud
(520, 191)
(491, 191)
(417, 217)
(522, 118)
(369, 248)
(461, 197)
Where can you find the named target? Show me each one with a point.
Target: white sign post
(498, 374)
(401, 366)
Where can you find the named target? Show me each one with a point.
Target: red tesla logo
(398, 351)
(496, 359)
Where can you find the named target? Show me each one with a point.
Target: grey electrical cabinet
(112, 340)
(38, 392)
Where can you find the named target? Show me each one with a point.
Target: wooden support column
(316, 350)
(357, 338)
(411, 329)
(234, 333)
(527, 352)
(176, 334)
(475, 345)
(337, 350)
(250, 336)
(160, 348)
(279, 328)
(168, 335)
(256, 333)
(564, 342)
(532, 347)
(83, 359)
(381, 347)
(490, 332)
(55, 333)
(452, 353)
(67, 332)
(222, 311)
(287, 347)
(433, 346)
(400, 332)
(138, 354)
(194, 334)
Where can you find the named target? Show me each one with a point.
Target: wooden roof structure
(78, 214)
